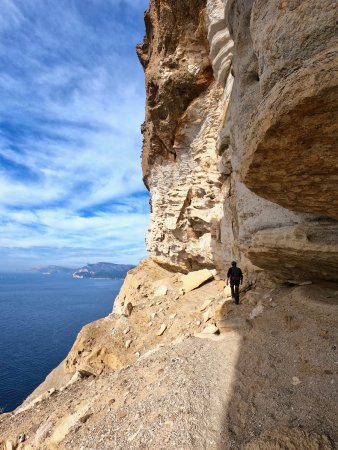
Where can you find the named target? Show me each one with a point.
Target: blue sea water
(40, 316)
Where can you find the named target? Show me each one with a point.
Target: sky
(72, 101)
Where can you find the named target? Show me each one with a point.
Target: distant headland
(98, 270)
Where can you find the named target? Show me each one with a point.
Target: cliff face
(239, 151)
(283, 118)
(183, 114)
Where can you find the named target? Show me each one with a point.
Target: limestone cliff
(229, 157)
(282, 123)
(183, 114)
(239, 155)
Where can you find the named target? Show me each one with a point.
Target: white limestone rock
(194, 279)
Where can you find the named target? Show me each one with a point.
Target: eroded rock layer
(183, 114)
(251, 147)
(284, 108)
(175, 57)
(308, 251)
(282, 121)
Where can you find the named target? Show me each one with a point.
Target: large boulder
(194, 279)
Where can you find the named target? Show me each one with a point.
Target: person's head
(234, 264)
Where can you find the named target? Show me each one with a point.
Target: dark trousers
(235, 292)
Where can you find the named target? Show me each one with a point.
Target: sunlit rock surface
(221, 44)
(184, 111)
(214, 178)
(239, 156)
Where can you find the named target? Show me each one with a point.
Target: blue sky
(72, 101)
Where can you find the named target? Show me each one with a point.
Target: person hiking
(235, 276)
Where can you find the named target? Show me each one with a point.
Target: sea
(40, 317)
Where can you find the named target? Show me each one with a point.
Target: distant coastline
(100, 270)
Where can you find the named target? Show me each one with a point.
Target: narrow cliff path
(269, 382)
(277, 375)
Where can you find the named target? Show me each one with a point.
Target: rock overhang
(291, 141)
(284, 103)
(301, 252)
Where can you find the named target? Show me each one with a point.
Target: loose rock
(205, 304)
(22, 437)
(206, 315)
(161, 290)
(128, 343)
(210, 329)
(194, 279)
(162, 329)
(127, 310)
(299, 283)
(295, 381)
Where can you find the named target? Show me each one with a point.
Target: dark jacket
(235, 274)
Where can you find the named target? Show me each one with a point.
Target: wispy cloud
(72, 102)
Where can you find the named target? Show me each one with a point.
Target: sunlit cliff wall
(183, 115)
(240, 135)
